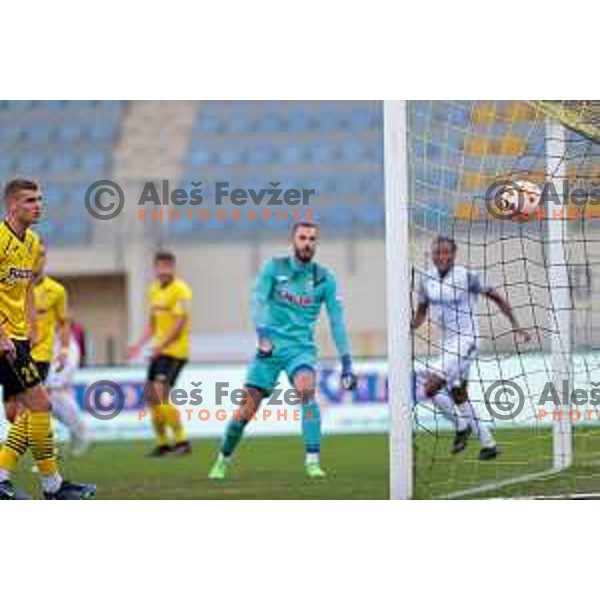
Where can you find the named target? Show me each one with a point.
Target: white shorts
(64, 378)
(454, 363)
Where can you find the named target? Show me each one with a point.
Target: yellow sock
(41, 441)
(173, 420)
(15, 444)
(158, 422)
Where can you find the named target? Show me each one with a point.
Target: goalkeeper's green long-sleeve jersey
(286, 302)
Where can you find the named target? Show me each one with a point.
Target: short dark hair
(19, 184)
(298, 224)
(444, 239)
(165, 255)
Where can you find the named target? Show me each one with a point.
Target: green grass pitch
(263, 468)
(524, 452)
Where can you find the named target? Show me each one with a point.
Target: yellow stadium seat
(476, 145)
(511, 144)
(475, 180)
(518, 111)
(484, 113)
(467, 211)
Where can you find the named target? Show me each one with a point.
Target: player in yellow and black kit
(169, 298)
(26, 401)
(55, 362)
(50, 302)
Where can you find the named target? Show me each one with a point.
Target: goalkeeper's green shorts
(264, 371)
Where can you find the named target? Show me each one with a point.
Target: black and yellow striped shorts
(18, 371)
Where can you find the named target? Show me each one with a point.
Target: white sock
(4, 475)
(226, 459)
(312, 458)
(51, 483)
(444, 403)
(479, 427)
(65, 409)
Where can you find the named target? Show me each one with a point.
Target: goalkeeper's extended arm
(261, 292)
(335, 310)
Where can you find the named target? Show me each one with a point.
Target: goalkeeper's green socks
(311, 429)
(232, 437)
(233, 434)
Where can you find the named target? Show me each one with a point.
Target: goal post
(558, 278)
(398, 299)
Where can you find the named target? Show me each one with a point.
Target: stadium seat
(323, 153)
(260, 155)
(295, 155)
(200, 156)
(353, 151)
(61, 162)
(209, 124)
(299, 121)
(270, 123)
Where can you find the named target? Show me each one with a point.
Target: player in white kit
(451, 292)
(62, 396)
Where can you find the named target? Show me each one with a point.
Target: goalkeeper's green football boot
(314, 471)
(219, 469)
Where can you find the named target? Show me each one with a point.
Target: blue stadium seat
(270, 123)
(39, 132)
(62, 162)
(202, 156)
(209, 124)
(295, 155)
(30, 164)
(324, 152)
(339, 215)
(70, 131)
(232, 156)
(260, 155)
(299, 121)
(360, 118)
(102, 131)
(94, 162)
(75, 229)
(11, 133)
(20, 105)
(240, 123)
(330, 120)
(353, 151)
(371, 214)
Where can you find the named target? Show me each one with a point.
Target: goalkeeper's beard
(304, 255)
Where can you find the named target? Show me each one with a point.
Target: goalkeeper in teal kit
(286, 302)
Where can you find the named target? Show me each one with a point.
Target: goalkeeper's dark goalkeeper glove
(348, 378)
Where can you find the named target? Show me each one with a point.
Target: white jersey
(452, 301)
(64, 377)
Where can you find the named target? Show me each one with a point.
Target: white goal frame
(399, 304)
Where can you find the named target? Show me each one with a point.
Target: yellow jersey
(50, 299)
(19, 257)
(167, 305)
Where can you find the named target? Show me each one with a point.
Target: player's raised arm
(335, 311)
(259, 302)
(477, 287)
